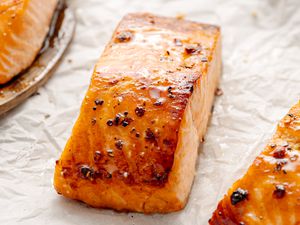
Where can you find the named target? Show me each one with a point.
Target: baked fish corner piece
(269, 193)
(134, 145)
(24, 25)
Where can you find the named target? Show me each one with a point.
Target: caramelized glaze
(129, 124)
(272, 182)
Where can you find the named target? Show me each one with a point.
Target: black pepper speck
(149, 135)
(124, 37)
(126, 121)
(110, 123)
(238, 196)
(157, 103)
(192, 89)
(279, 191)
(160, 176)
(99, 102)
(119, 144)
(117, 119)
(86, 172)
(139, 111)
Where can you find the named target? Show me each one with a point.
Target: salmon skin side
(24, 25)
(269, 192)
(134, 145)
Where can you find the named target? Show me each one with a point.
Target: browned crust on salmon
(272, 182)
(134, 145)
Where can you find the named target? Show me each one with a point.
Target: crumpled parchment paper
(261, 81)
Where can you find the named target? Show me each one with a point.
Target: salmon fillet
(269, 193)
(24, 25)
(134, 145)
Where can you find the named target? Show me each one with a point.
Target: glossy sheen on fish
(134, 145)
(269, 193)
(24, 25)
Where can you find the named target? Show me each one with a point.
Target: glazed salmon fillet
(24, 25)
(269, 193)
(134, 145)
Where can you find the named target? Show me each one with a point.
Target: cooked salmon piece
(134, 145)
(269, 193)
(24, 24)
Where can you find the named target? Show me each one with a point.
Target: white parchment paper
(261, 80)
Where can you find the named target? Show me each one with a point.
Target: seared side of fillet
(134, 145)
(24, 25)
(269, 193)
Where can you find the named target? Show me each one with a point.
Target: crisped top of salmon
(269, 193)
(136, 99)
(134, 145)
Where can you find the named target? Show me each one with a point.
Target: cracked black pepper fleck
(124, 37)
(117, 119)
(119, 144)
(149, 135)
(192, 89)
(238, 196)
(126, 121)
(279, 191)
(110, 123)
(157, 103)
(99, 102)
(139, 111)
(160, 176)
(86, 172)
